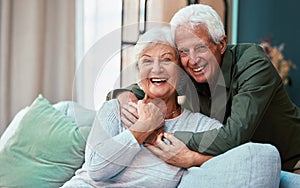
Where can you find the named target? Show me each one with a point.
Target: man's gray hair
(197, 14)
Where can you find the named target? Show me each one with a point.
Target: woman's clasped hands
(150, 118)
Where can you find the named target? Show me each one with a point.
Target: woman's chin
(159, 93)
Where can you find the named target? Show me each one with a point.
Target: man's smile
(199, 68)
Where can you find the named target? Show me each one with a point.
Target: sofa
(44, 145)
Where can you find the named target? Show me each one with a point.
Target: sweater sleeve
(255, 83)
(110, 148)
(134, 88)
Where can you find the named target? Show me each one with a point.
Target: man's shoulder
(242, 47)
(247, 52)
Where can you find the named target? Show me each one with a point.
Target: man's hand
(128, 106)
(173, 151)
(151, 139)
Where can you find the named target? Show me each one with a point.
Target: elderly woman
(117, 156)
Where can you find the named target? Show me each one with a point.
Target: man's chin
(200, 79)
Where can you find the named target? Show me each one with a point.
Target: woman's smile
(158, 81)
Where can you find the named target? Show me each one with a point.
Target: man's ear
(223, 44)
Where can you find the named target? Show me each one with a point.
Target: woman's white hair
(197, 14)
(152, 37)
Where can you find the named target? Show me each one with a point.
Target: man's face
(200, 56)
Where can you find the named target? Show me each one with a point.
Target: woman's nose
(156, 66)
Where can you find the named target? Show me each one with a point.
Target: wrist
(198, 159)
(138, 132)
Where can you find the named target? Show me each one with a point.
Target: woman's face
(200, 56)
(159, 68)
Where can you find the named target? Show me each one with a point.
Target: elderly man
(236, 84)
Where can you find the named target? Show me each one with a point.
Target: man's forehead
(185, 35)
(187, 39)
(193, 28)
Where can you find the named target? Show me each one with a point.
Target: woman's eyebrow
(147, 55)
(167, 53)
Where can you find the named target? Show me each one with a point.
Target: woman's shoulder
(188, 113)
(112, 104)
(196, 118)
(109, 108)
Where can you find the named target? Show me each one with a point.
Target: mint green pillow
(45, 151)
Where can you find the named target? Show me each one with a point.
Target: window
(98, 41)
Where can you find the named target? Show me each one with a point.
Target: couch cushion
(45, 150)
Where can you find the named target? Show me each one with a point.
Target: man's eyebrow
(180, 48)
(199, 44)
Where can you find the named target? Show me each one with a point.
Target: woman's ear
(137, 65)
(137, 73)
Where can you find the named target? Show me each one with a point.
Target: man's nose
(192, 57)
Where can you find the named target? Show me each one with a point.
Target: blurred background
(77, 49)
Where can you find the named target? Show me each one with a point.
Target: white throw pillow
(11, 129)
(81, 115)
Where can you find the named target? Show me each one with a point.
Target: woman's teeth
(158, 80)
